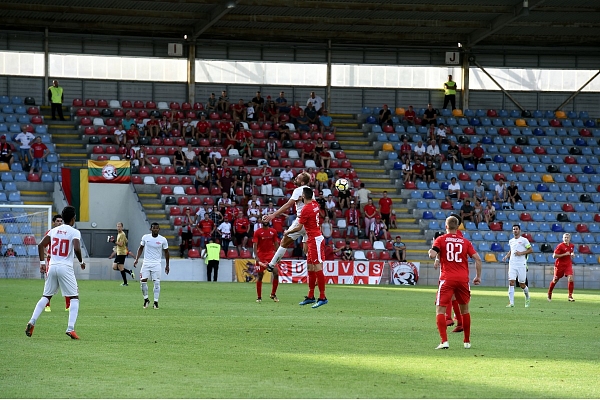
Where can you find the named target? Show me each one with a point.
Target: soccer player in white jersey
(517, 264)
(64, 241)
(152, 245)
(302, 180)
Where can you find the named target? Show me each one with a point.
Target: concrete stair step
(339, 125)
(353, 142)
(379, 181)
(347, 133)
(343, 116)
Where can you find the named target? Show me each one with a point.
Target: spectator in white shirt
(453, 190)
(119, 135)
(225, 232)
(286, 175)
(316, 101)
(440, 134)
(419, 151)
(215, 157)
(500, 191)
(24, 139)
(433, 152)
(190, 156)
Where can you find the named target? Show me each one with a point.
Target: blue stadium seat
(427, 215)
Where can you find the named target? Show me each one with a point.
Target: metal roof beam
(520, 9)
(215, 14)
(116, 12)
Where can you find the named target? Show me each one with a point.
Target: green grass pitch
(211, 340)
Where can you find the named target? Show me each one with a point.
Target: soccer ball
(342, 184)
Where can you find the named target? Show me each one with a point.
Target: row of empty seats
(491, 113)
(138, 104)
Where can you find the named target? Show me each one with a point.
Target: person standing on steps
(450, 93)
(56, 98)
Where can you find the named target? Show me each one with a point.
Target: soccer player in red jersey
(309, 218)
(454, 251)
(563, 266)
(264, 242)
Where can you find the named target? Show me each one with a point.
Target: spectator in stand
(119, 135)
(253, 214)
(478, 208)
(271, 149)
(266, 188)
(302, 122)
(223, 128)
(231, 141)
(203, 157)
(238, 178)
(419, 151)
(321, 180)
(177, 121)
(295, 113)
(202, 210)
(326, 123)
(141, 126)
(453, 190)
(385, 207)
(316, 101)
(287, 174)
(479, 192)
(323, 156)
(453, 154)
(190, 156)
(211, 103)
(450, 93)
(215, 157)
(283, 131)
(370, 211)
(430, 172)
(399, 251)
(311, 113)
(152, 129)
(207, 229)
(246, 150)
(258, 102)
(133, 135)
(248, 186)
(271, 112)
(441, 134)
(513, 194)
(203, 128)
(344, 197)
(38, 152)
(282, 104)
(130, 154)
(256, 200)
(164, 127)
(352, 217)
(250, 113)
(142, 156)
(393, 219)
(410, 117)
(224, 231)
(213, 176)
(5, 151)
(215, 216)
(346, 253)
(418, 171)
(128, 121)
(56, 98)
(385, 116)
(500, 191)
(478, 155)
(330, 206)
(188, 221)
(467, 211)
(223, 103)
(241, 227)
(405, 151)
(25, 139)
(466, 154)
(431, 131)
(433, 153)
(201, 178)
(362, 196)
(308, 151)
(327, 230)
(269, 208)
(378, 230)
(407, 171)
(189, 129)
(429, 116)
(226, 182)
(239, 111)
(489, 212)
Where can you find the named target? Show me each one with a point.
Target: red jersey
(405, 148)
(454, 252)
(465, 151)
(478, 152)
(238, 107)
(308, 147)
(241, 225)
(418, 168)
(152, 122)
(385, 205)
(203, 126)
(206, 226)
(265, 239)
(310, 218)
(277, 224)
(295, 112)
(352, 216)
(370, 210)
(38, 150)
(410, 115)
(566, 261)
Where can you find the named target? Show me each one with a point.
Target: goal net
(21, 228)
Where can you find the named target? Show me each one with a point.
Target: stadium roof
(396, 23)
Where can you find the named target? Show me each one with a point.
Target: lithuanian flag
(109, 171)
(76, 188)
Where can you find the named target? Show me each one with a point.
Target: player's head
(302, 179)
(566, 238)
(120, 226)
(57, 220)
(451, 224)
(265, 224)
(516, 229)
(458, 218)
(68, 215)
(307, 193)
(154, 228)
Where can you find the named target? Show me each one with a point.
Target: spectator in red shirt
(352, 216)
(478, 155)
(37, 152)
(385, 208)
(418, 172)
(405, 150)
(308, 151)
(132, 134)
(152, 127)
(466, 154)
(409, 117)
(202, 128)
(207, 228)
(224, 127)
(241, 227)
(239, 111)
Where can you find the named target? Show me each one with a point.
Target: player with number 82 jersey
(454, 253)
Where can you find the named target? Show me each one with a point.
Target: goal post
(21, 229)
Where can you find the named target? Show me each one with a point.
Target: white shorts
(153, 273)
(301, 232)
(519, 272)
(63, 277)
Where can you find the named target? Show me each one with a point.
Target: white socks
(511, 294)
(39, 307)
(73, 311)
(526, 291)
(278, 256)
(144, 286)
(156, 290)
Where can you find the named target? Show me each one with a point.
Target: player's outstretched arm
(282, 209)
(296, 229)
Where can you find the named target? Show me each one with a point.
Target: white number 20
(453, 251)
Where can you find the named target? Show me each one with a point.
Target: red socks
(321, 284)
(448, 313)
(457, 314)
(312, 282)
(440, 320)
(466, 319)
(571, 287)
(259, 288)
(551, 287)
(275, 284)
(67, 302)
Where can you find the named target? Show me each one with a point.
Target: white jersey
(296, 197)
(520, 244)
(153, 249)
(61, 244)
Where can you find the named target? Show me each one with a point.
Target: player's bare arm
(477, 279)
(433, 253)
(138, 255)
(77, 250)
(296, 229)
(282, 209)
(167, 269)
(42, 246)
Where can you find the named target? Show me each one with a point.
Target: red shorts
(559, 272)
(461, 290)
(316, 250)
(266, 259)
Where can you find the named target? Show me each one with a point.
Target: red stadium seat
(495, 226)
(572, 178)
(98, 150)
(102, 157)
(150, 105)
(102, 103)
(77, 103)
(388, 128)
(94, 112)
(33, 177)
(499, 176)
(340, 155)
(36, 119)
(446, 205)
(156, 169)
(161, 180)
(463, 176)
(528, 237)
(365, 245)
(89, 130)
(174, 210)
(232, 253)
(516, 150)
(570, 160)
(517, 168)
(468, 130)
(492, 113)
(384, 255)
(29, 240)
(582, 228)
(555, 123)
(596, 217)
(137, 180)
(85, 121)
(567, 207)
(186, 180)
(584, 249)
(539, 150)
(195, 200)
(118, 113)
(126, 104)
(193, 253)
(166, 190)
(503, 132)
(585, 132)
(142, 114)
(90, 103)
(198, 106)
(183, 201)
(371, 255)
(525, 217)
